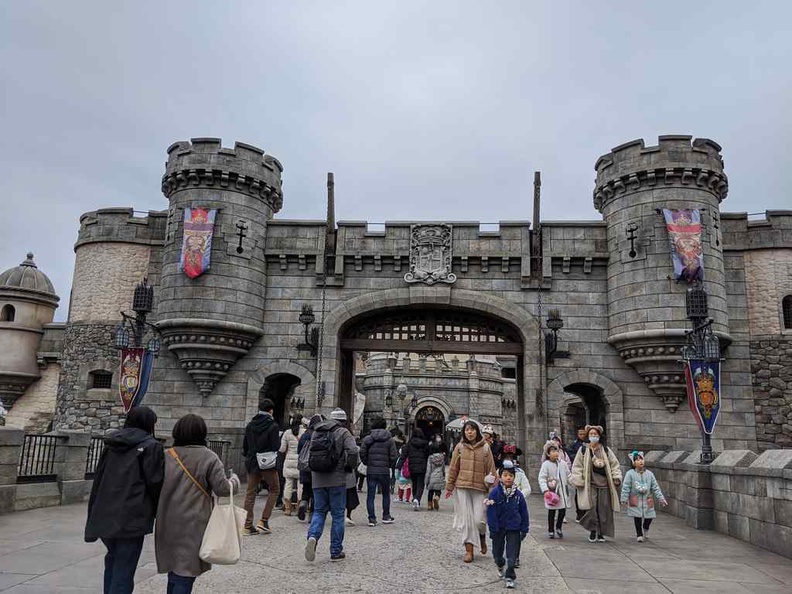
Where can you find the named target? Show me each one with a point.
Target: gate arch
(525, 326)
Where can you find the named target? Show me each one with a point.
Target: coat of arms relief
(430, 255)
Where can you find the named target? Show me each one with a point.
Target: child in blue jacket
(507, 517)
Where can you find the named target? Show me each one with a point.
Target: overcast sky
(424, 110)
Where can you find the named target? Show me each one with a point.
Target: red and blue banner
(703, 390)
(136, 366)
(684, 234)
(197, 242)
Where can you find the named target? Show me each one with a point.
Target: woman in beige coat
(291, 472)
(597, 476)
(471, 474)
(192, 473)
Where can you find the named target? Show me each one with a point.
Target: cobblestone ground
(42, 551)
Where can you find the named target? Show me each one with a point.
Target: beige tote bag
(222, 539)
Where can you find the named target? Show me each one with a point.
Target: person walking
(305, 472)
(399, 440)
(260, 448)
(470, 475)
(596, 475)
(193, 473)
(417, 455)
(124, 496)
(639, 491)
(554, 483)
(579, 443)
(378, 452)
(333, 455)
(507, 517)
(289, 447)
(435, 476)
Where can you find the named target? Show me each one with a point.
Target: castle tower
(27, 302)
(209, 322)
(646, 306)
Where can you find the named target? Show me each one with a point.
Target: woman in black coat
(124, 497)
(417, 455)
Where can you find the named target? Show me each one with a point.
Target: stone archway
(306, 389)
(586, 384)
(335, 360)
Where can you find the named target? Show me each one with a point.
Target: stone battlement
(205, 163)
(675, 161)
(742, 233)
(120, 225)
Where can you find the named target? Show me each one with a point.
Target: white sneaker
(310, 549)
(510, 584)
(646, 533)
(640, 539)
(416, 505)
(349, 522)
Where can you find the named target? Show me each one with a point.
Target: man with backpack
(260, 448)
(333, 453)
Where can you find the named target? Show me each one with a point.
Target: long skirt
(470, 514)
(599, 518)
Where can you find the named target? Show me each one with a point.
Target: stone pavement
(43, 551)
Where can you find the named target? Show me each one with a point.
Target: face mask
(594, 439)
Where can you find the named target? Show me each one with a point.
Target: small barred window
(786, 306)
(101, 380)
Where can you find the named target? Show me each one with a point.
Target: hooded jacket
(417, 454)
(261, 435)
(507, 513)
(126, 486)
(435, 472)
(348, 460)
(378, 452)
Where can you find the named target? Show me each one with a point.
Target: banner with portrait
(197, 242)
(136, 366)
(684, 234)
(703, 391)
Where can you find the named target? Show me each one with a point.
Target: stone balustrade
(742, 494)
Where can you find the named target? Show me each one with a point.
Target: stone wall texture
(35, 410)
(105, 275)
(771, 368)
(769, 280)
(88, 347)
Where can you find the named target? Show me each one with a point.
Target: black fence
(37, 462)
(95, 449)
(220, 448)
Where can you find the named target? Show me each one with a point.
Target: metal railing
(37, 461)
(220, 448)
(95, 449)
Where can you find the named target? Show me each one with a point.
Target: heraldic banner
(197, 243)
(703, 390)
(684, 234)
(136, 365)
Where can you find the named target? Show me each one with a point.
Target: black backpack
(324, 454)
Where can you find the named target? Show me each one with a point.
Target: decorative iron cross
(242, 226)
(632, 237)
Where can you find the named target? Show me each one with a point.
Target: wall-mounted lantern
(554, 323)
(307, 318)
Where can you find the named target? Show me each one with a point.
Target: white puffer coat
(289, 447)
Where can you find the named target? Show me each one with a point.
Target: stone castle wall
(772, 386)
(34, 411)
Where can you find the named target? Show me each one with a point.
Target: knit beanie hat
(338, 414)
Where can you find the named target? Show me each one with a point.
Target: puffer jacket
(470, 464)
(435, 472)
(417, 454)
(378, 452)
(289, 443)
(126, 486)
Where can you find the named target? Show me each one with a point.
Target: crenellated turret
(646, 306)
(209, 322)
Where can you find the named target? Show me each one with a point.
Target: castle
(423, 288)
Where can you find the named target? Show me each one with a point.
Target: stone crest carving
(430, 255)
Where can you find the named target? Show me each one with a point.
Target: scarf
(510, 491)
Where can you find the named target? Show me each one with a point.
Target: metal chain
(319, 389)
